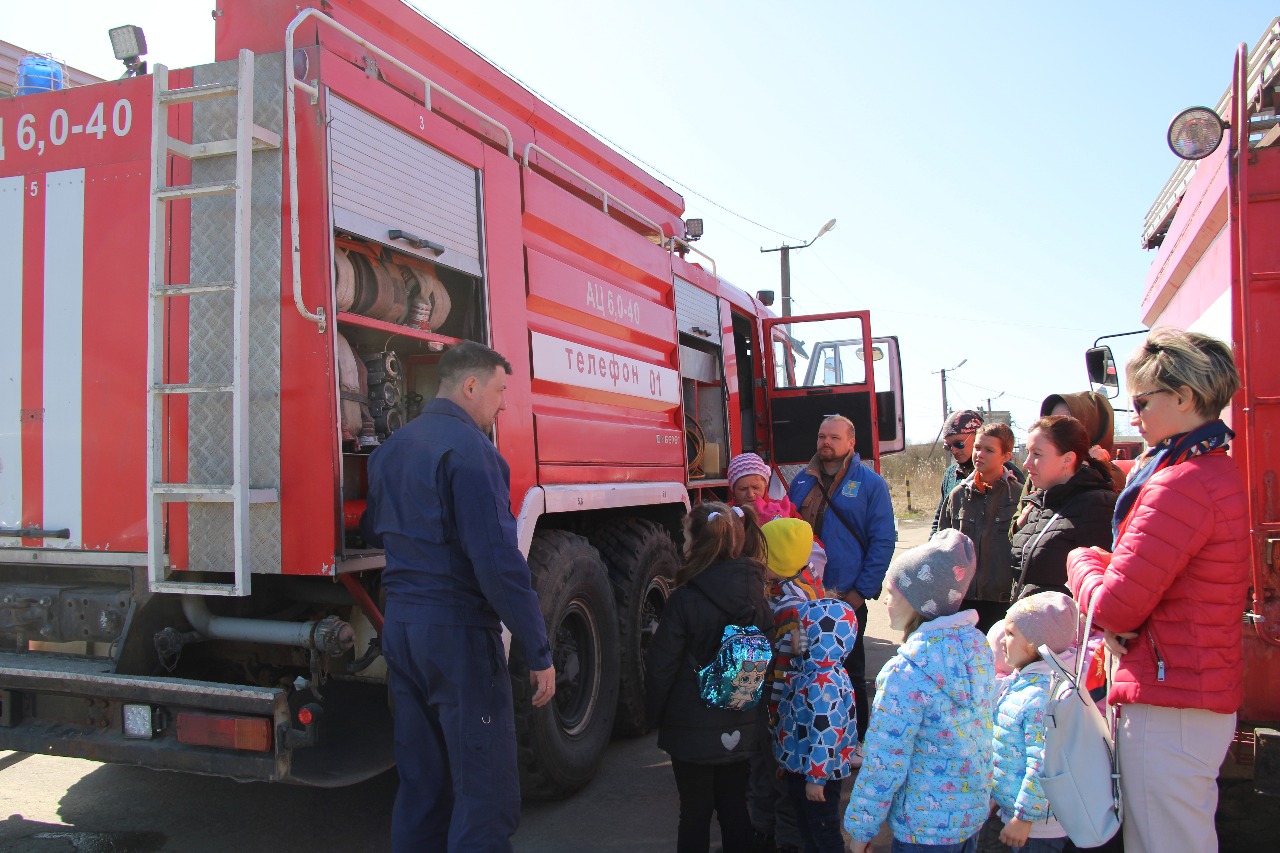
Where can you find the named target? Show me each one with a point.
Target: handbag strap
(826, 499)
(1082, 647)
(1026, 555)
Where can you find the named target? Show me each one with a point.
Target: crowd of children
(957, 729)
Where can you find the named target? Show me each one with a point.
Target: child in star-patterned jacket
(928, 762)
(817, 727)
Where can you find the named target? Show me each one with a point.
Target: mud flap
(1266, 763)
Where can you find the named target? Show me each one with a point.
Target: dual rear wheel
(601, 598)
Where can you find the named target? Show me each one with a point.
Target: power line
(582, 124)
(992, 390)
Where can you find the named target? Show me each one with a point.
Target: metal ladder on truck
(248, 138)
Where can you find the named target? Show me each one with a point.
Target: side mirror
(1101, 367)
(877, 354)
(765, 297)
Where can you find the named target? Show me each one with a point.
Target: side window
(783, 364)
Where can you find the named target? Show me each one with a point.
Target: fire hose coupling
(332, 636)
(329, 635)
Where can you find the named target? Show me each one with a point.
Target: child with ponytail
(721, 582)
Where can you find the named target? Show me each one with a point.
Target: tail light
(225, 732)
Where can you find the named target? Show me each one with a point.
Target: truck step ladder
(248, 138)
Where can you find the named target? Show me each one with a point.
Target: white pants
(1169, 762)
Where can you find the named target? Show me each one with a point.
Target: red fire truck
(224, 285)
(1216, 226)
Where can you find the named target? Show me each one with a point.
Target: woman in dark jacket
(1070, 507)
(709, 747)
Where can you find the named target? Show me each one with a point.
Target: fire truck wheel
(642, 563)
(562, 745)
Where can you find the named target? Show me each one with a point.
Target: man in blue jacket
(848, 505)
(440, 504)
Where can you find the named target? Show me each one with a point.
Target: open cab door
(818, 366)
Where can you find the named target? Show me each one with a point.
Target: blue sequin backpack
(734, 680)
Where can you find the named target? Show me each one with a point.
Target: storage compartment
(397, 314)
(408, 280)
(703, 394)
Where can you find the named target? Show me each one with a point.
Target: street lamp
(946, 410)
(786, 265)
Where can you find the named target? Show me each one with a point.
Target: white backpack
(1080, 774)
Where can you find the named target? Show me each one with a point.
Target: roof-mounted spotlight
(692, 229)
(130, 45)
(1195, 133)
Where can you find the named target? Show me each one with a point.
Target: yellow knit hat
(790, 543)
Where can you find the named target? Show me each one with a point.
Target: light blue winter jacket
(1018, 745)
(928, 751)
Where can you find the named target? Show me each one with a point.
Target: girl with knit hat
(928, 764)
(1025, 822)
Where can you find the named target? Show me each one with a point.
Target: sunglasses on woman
(1139, 401)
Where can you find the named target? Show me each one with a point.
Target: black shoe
(762, 842)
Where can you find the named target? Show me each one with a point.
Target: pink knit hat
(747, 463)
(1046, 619)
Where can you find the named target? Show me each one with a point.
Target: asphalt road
(56, 805)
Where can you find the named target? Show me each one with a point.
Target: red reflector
(305, 716)
(251, 733)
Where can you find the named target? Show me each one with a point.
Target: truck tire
(561, 746)
(642, 562)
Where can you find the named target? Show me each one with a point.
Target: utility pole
(786, 265)
(946, 410)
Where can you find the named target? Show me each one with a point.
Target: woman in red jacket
(1171, 593)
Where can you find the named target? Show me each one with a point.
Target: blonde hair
(713, 533)
(1172, 360)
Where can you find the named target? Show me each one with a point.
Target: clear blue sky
(989, 164)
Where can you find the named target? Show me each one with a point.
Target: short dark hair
(468, 359)
(1000, 432)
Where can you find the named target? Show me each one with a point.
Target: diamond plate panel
(210, 532)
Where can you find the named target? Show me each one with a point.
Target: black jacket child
(1084, 505)
(692, 626)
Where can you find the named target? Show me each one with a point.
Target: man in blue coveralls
(440, 504)
(848, 505)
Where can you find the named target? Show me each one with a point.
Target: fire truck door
(818, 366)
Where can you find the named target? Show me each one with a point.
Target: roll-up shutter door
(697, 312)
(386, 180)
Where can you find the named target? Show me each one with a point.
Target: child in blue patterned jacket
(817, 726)
(928, 764)
(1045, 619)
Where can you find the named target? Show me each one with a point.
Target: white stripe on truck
(11, 204)
(63, 351)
